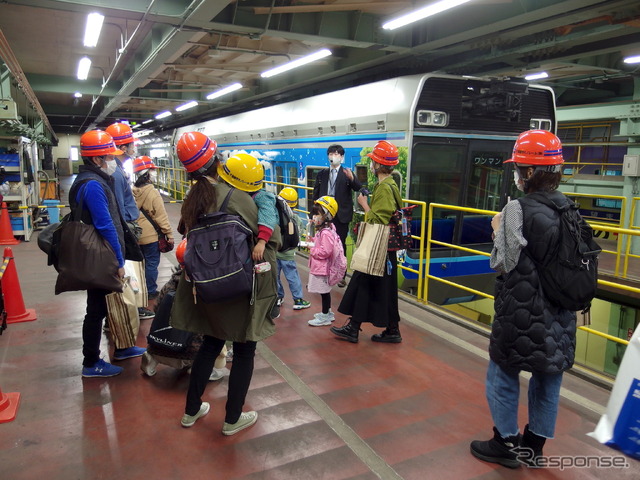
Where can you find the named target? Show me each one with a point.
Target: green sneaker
(300, 303)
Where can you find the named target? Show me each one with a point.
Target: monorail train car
(453, 134)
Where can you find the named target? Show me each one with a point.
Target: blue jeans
(151, 253)
(503, 392)
(292, 276)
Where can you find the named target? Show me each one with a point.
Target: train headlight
(432, 118)
(540, 124)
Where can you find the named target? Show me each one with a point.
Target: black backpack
(288, 225)
(162, 334)
(218, 256)
(570, 277)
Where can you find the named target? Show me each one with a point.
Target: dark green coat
(234, 320)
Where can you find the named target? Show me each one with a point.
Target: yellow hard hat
(329, 204)
(242, 171)
(290, 195)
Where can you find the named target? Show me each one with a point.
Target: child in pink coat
(326, 242)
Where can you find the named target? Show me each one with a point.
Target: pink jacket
(325, 241)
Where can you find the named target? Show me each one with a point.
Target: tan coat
(149, 198)
(234, 320)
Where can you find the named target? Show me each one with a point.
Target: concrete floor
(328, 409)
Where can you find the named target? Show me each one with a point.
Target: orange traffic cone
(13, 302)
(6, 232)
(8, 406)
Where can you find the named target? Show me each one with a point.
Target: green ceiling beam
(70, 85)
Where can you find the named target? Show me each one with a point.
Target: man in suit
(338, 182)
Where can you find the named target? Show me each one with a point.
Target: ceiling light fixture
(325, 52)
(634, 59)
(223, 91)
(92, 30)
(536, 76)
(77, 95)
(187, 106)
(421, 13)
(163, 115)
(83, 68)
(147, 121)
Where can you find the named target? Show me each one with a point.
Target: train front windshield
(464, 172)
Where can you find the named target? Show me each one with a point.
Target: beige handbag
(138, 281)
(123, 318)
(370, 256)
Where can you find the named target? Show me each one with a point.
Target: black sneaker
(145, 313)
(497, 450)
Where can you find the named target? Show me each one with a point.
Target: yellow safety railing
(430, 242)
(632, 226)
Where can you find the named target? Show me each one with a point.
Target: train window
(485, 180)
(293, 175)
(436, 173)
(362, 174)
(312, 172)
(279, 174)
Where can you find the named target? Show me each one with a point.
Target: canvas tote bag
(370, 256)
(123, 318)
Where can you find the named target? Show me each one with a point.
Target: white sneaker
(217, 374)
(320, 320)
(148, 364)
(188, 420)
(331, 315)
(246, 420)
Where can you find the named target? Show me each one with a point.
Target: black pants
(239, 379)
(92, 326)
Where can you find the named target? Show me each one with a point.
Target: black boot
(348, 332)
(497, 450)
(535, 443)
(388, 335)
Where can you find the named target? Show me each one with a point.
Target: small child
(325, 242)
(286, 260)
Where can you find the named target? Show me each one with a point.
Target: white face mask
(153, 176)
(335, 160)
(110, 167)
(517, 180)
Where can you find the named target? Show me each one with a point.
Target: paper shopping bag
(123, 318)
(135, 270)
(370, 256)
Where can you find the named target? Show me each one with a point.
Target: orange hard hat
(180, 249)
(96, 143)
(384, 153)
(195, 151)
(537, 147)
(121, 133)
(142, 163)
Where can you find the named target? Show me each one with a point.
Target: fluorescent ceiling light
(325, 52)
(425, 12)
(536, 76)
(187, 106)
(83, 68)
(147, 121)
(92, 30)
(223, 91)
(77, 95)
(634, 59)
(163, 115)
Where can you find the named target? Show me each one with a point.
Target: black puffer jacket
(528, 332)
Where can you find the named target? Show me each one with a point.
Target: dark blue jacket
(94, 189)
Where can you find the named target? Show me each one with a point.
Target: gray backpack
(218, 256)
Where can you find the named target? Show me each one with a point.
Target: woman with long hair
(238, 320)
